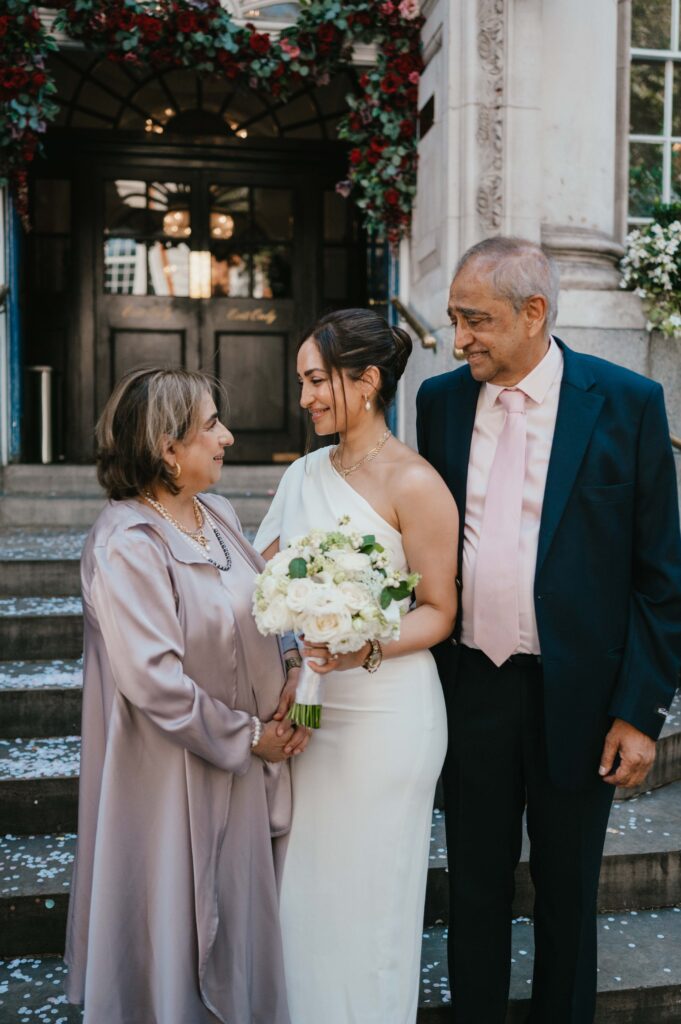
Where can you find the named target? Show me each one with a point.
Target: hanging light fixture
(221, 226)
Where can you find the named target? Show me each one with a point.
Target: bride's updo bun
(354, 339)
(403, 347)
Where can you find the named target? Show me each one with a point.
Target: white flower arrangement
(652, 268)
(337, 588)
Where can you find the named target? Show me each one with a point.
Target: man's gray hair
(519, 270)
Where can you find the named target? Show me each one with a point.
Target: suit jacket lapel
(578, 410)
(460, 421)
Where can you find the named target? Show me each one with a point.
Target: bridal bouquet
(336, 588)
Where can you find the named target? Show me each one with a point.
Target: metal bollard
(41, 411)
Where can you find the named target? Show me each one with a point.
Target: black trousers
(496, 766)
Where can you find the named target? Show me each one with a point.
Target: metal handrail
(676, 441)
(427, 338)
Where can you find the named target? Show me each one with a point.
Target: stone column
(579, 140)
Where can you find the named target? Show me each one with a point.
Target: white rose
(278, 566)
(299, 594)
(352, 561)
(392, 612)
(328, 621)
(269, 587)
(276, 617)
(355, 595)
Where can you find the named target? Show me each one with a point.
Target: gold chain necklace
(197, 535)
(196, 538)
(338, 466)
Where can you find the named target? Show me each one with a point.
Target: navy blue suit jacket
(608, 578)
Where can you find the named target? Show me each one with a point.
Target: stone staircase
(639, 922)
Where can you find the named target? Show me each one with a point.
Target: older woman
(184, 783)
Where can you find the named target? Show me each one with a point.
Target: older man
(567, 650)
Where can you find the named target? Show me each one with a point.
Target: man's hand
(636, 751)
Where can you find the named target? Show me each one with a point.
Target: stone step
(639, 975)
(40, 698)
(641, 864)
(641, 868)
(639, 972)
(35, 876)
(40, 627)
(28, 510)
(81, 481)
(39, 784)
(40, 562)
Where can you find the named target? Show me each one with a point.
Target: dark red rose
(326, 33)
(124, 21)
(355, 156)
(390, 83)
(39, 79)
(400, 101)
(187, 22)
(392, 196)
(372, 157)
(32, 22)
(363, 81)
(4, 25)
(259, 42)
(377, 145)
(151, 28)
(404, 64)
(407, 129)
(355, 122)
(279, 70)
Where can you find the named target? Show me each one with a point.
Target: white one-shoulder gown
(354, 878)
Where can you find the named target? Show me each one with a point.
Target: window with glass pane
(651, 24)
(251, 231)
(146, 228)
(645, 178)
(655, 105)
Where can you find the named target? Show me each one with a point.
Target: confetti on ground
(41, 675)
(40, 758)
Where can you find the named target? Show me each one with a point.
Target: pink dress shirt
(542, 387)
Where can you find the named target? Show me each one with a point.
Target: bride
(354, 878)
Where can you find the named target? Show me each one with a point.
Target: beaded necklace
(199, 544)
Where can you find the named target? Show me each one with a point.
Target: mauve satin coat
(173, 916)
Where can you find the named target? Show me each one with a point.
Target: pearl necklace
(199, 543)
(338, 466)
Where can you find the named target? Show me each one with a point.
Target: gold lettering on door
(258, 315)
(160, 314)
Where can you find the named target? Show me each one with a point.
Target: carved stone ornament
(490, 129)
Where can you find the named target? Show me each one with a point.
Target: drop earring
(367, 405)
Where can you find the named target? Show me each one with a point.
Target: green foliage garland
(200, 35)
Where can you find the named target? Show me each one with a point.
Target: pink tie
(495, 600)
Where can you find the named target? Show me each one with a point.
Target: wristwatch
(374, 658)
(292, 660)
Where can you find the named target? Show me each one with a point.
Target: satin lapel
(578, 410)
(460, 419)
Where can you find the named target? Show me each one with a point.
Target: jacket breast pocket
(607, 493)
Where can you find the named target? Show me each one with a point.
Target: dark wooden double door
(201, 264)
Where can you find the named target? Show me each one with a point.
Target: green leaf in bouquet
(397, 593)
(297, 568)
(369, 544)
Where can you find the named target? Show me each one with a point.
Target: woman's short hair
(355, 339)
(147, 407)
